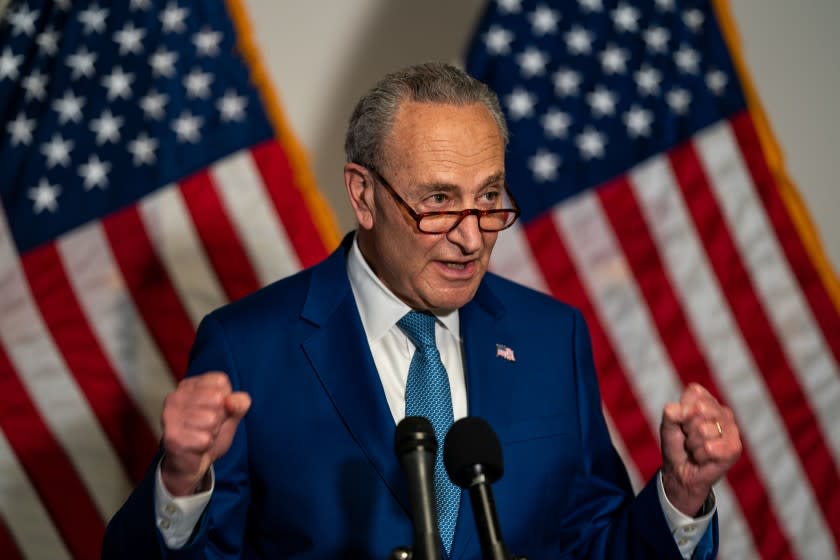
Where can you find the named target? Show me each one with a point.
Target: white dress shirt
(380, 310)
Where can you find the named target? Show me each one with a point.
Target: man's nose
(467, 235)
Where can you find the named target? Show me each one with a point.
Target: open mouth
(456, 266)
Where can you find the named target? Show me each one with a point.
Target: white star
(716, 81)
(665, 5)
(93, 19)
(44, 196)
(544, 165)
(207, 42)
(143, 149)
(532, 62)
(694, 19)
(163, 62)
(579, 40)
(57, 151)
(638, 121)
(118, 84)
(186, 127)
(614, 60)
(656, 39)
(556, 123)
(140, 5)
(95, 173)
(35, 85)
(48, 41)
(153, 104)
(69, 108)
(544, 20)
(173, 18)
(625, 18)
(81, 63)
(687, 60)
(520, 104)
(566, 82)
(591, 5)
(23, 21)
(107, 127)
(591, 143)
(647, 80)
(602, 101)
(198, 83)
(231, 106)
(510, 6)
(130, 39)
(9, 63)
(21, 130)
(679, 100)
(497, 40)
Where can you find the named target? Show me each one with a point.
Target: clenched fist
(199, 421)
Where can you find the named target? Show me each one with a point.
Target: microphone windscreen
(414, 432)
(471, 442)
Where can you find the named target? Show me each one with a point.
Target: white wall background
(323, 54)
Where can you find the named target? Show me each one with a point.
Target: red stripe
(49, 469)
(118, 414)
(8, 547)
(749, 313)
(822, 307)
(150, 287)
(617, 394)
(622, 209)
(284, 191)
(220, 239)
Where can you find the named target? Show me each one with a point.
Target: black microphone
(472, 456)
(415, 445)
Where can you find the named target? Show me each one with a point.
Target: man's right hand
(199, 421)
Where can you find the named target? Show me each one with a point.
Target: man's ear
(359, 185)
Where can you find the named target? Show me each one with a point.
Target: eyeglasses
(445, 221)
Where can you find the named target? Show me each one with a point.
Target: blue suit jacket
(312, 472)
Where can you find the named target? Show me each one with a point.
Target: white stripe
(611, 286)
(632, 471)
(53, 390)
(23, 513)
(723, 346)
(118, 327)
(170, 228)
(512, 258)
(242, 191)
(801, 339)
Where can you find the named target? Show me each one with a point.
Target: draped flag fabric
(654, 199)
(147, 177)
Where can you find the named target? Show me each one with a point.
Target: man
(279, 443)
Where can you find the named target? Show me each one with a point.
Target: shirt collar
(378, 307)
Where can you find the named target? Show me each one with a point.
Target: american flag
(147, 177)
(651, 201)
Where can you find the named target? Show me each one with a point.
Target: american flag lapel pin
(505, 352)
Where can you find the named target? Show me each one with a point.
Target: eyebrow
(449, 187)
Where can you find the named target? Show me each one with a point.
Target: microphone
(472, 456)
(415, 445)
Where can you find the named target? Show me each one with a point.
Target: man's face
(438, 157)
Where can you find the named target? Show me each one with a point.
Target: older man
(279, 443)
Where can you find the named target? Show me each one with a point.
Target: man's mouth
(456, 266)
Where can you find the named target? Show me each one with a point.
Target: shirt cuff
(687, 531)
(177, 517)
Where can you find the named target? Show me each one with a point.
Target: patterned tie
(427, 394)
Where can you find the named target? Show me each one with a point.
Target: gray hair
(432, 82)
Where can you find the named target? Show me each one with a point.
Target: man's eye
(437, 198)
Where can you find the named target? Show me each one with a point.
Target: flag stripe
(51, 472)
(616, 393)
(110, 312)
(512, 258)
(219, 237)
(244, 194)
(642, 255)
(785, 484)
(7, 543)
(150, 287)
(170, 229)
(284, 190)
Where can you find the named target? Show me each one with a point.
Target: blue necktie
(427, 394)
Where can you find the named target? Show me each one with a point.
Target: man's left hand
(700, 442)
